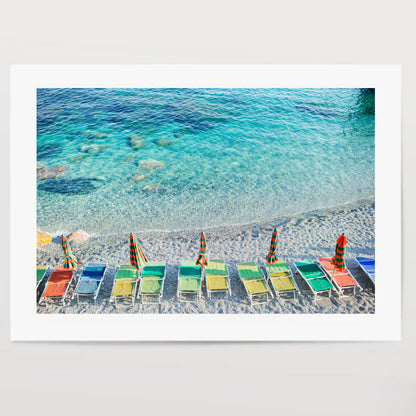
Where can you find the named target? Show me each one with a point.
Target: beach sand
(302, 237)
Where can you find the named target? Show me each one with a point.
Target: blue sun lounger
(90, 281)
(368, 265)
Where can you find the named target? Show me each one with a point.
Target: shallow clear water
(229, 156)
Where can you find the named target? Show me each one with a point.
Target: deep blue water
(229, 156)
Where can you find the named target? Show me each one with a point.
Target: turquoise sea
(170, 159)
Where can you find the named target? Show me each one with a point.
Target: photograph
(167, 200)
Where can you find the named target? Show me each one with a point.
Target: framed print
(193, 202)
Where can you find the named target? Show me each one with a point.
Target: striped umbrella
(71, 261)
(137, 257)
(272, 256)
(202, 258)
(338, 259)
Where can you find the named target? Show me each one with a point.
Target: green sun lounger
(281, 279)
(152, 281)
(125, 283)
(189, 282)
(314, 277)
(216, 278)
(40, 274)
(254, 283)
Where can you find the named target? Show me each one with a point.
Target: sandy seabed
(302, 237)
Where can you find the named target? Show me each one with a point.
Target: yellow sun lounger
(189, 282)
(125, 283)
(254, 282)
(281, 279)
(216, 278)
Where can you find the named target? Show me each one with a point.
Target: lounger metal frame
(181, 292)
(340, 289)
(121, 281)
(141, 296)
(56, 297)
(251, 296)
(210, 292)
(366, 272)
(315, 293)
(296, 292)
(95, 294)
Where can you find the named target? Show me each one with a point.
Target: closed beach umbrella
(202, 258)
(71, 261)
(137, 257)
(272, 256)
(338, 259)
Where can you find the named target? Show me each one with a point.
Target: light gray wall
(211, 378)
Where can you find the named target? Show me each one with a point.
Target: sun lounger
(281, 279)
(368, 265)
(341, 279)
(125, 283)
(216, 278)
(314, 277)
(189, 281)
(254, 283)
(58, 284)
(152, 281)
(40, 274)
(90, 281)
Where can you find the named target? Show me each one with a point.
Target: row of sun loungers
(147, 286)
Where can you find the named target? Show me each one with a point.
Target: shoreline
(301, 237)
(278, 220)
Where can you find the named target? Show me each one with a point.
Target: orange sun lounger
(58, 284)
(342, 279)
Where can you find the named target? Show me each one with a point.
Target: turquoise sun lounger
(90, 281)
(314, 277)
(368, 265)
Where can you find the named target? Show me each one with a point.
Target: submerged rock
(79, 235)
(128, 159)
(92, 134)
(93, 149)
(136, 142)
(162, 142)
(76, 186)
(153, 187)
(137, 177)
(80, 158)
(40, 166)
(150, 164)
(51, 173)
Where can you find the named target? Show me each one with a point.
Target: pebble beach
(300, 238)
